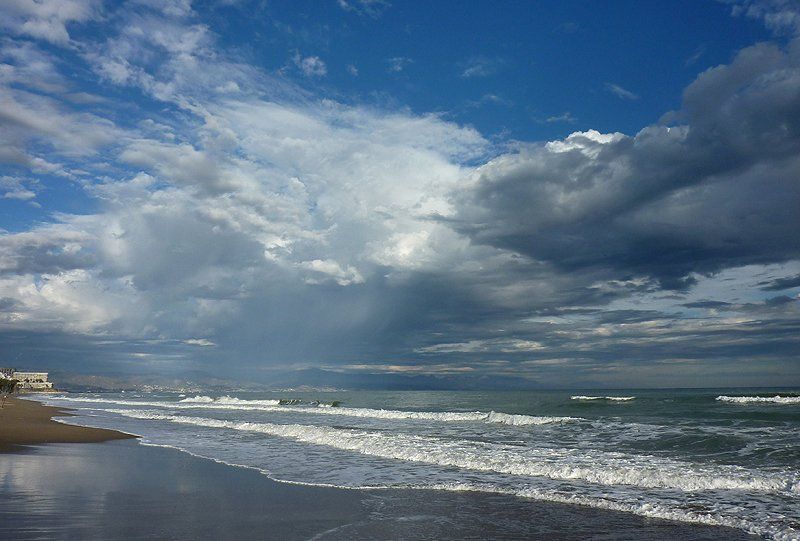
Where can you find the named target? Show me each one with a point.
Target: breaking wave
(316, 408)
(777, 399)
(613, 398)
(645, 509)
(449, 416)
(598, 467)
(228, 401)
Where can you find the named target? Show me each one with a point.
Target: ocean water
(716, 457)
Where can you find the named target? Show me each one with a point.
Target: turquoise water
(715, 456)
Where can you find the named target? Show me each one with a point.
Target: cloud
(46, 19)
(398, 63)
(667, 202)
(780, 16)
(181, 163)
(230, 207)
(331, 270)
(172, 8)
(564, 117)
(15, 188)
(26, 65)
(371, 8)
(489, 99)
(49, 249)
(164, 57)
(620, 92)
(310, 66)
(28, 118)
(498, 345)
(202, 342)
(252, 206)
(59, 301)
(713, 305)
(480, 66)
(569, 27)
(22, 195)
(696, 55)
(781, 284)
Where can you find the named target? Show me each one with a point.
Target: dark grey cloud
(714, 188)
(7, 304)
(707, 304)
(779, 284)
(780, 300)
(769, 306)
(48, 250)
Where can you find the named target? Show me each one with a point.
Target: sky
(403, 194)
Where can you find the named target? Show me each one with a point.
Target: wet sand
(124, 490)
(25, 422)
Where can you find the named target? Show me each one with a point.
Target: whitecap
(597, 467)
(231, 403)
(612, 398)
(777, 399)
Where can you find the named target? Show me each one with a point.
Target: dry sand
(25, 422)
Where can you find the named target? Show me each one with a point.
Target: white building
(28, 381)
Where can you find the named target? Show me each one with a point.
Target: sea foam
(597, 467)
(448, 416)
(777, 399)
(613, 398)
(645, 509)
(230, 403)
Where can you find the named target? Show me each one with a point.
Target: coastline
(123, 489)
(26, 422)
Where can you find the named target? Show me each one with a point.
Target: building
(28, 381)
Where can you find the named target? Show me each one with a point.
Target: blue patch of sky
(541, 70)
(55, 195)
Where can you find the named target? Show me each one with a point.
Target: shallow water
(122, 491)
(680, 455)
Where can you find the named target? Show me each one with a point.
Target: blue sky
(506, 68)
(498, 194)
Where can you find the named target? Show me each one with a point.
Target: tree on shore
(7, 387)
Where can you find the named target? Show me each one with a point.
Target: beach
(26, 422)
(122, 489)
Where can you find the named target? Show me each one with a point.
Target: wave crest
(316, 408)
(227, 401)
(612, 398)
(777, 399)
(602, 468)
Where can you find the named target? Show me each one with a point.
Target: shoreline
(125, 490)
(25, 422)
(138, 482)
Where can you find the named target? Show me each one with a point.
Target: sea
(708, 456)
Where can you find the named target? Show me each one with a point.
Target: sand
(25, 422)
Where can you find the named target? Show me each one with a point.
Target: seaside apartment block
(28, 381)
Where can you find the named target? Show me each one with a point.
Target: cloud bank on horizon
(191, 186)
